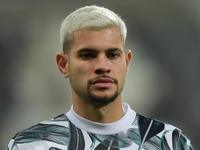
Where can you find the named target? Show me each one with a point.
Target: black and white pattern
(61, 134)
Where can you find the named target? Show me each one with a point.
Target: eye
(87, 56)
(113, 55)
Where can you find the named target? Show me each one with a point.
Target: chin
(103, 99)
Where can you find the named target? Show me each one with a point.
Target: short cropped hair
(89, 17)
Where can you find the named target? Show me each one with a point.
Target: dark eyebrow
(86, 50)
(114, 50)
(96, 51)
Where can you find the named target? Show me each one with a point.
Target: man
(93, 40)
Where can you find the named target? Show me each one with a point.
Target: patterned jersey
(71, 132)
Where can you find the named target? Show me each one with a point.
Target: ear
(128, 56)
(62, 62)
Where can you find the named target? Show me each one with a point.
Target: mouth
(103, 82)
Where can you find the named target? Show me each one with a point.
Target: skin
(96, 57)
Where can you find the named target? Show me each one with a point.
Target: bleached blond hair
(89, 17)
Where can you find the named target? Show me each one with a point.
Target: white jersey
(72, 132)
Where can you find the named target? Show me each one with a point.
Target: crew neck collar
(103, 128)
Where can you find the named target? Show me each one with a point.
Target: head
(89, 17)
(93, 41)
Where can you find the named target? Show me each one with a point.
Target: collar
(103, 128)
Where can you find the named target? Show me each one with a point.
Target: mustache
(102, 77)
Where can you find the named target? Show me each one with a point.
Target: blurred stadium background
(164, 77)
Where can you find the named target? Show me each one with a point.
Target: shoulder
(46, 133)
(168, 135)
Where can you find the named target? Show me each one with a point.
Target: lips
(103, 83)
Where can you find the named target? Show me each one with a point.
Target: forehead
(97, 39)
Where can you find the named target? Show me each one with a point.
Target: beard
(86, 93)
(102, 99)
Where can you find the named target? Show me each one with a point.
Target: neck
(106, 113)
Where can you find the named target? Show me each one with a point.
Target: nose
(102, 65)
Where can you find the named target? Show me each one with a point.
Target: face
(97, 65)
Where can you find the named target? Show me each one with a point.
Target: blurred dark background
(164, 77)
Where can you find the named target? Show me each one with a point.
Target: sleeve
(180, 141)
(12, 145)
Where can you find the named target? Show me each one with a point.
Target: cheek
(122, 75)
(78, 72)
(121, 70)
